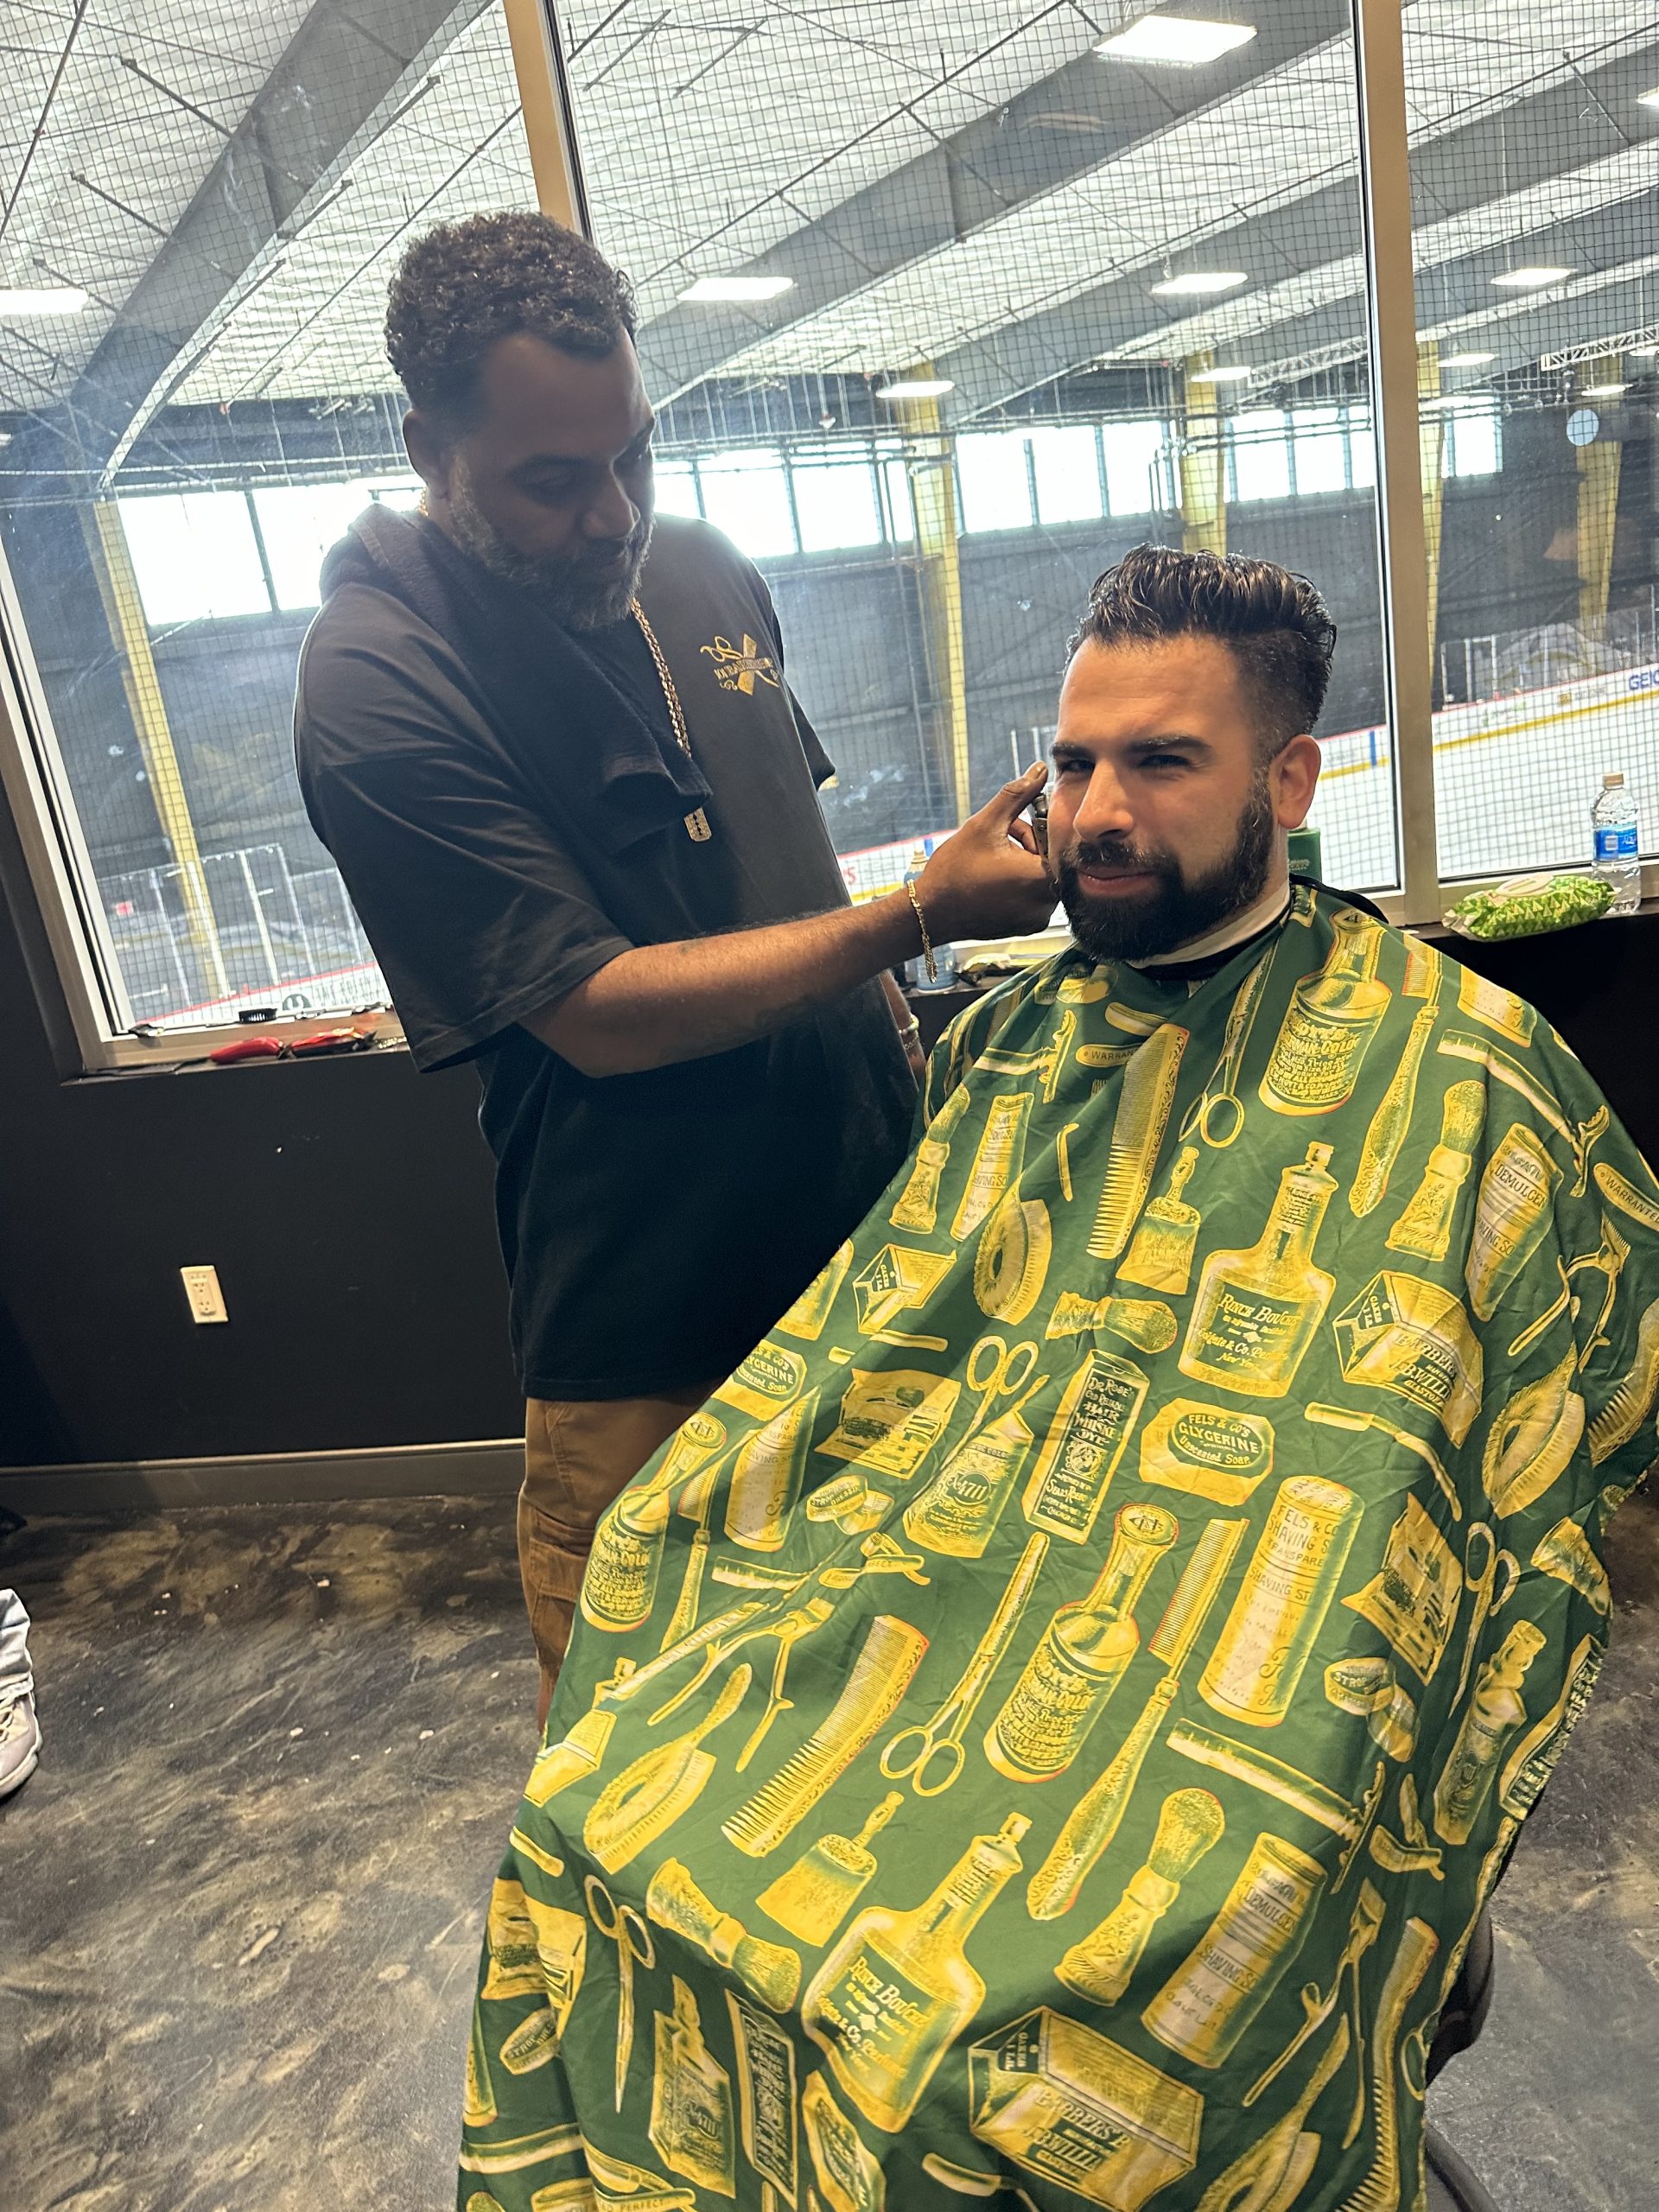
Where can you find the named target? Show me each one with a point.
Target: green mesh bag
(1527, 906)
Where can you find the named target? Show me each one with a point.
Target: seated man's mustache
(1109, 858)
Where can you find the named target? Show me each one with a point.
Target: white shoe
(20, 1742)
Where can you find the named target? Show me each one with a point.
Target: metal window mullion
(54, 845)
(263, 551)
(1385, 201)
(547, 111)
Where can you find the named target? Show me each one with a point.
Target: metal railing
(274, 937)
(1504, 663)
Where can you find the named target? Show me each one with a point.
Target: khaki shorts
(579, 1453)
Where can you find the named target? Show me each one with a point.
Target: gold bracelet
(928, 961)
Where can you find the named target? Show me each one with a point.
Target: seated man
(1192, 1473)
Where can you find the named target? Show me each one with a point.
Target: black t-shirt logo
(736, 667)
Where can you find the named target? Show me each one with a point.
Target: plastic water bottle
(1618, 861)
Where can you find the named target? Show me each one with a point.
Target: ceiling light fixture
(737, 288)
(1531, 279)
(1221, 376)
(1193, 282)
(50, 299)
(1465, 361)
(916, 388)
(1649, 99)
(1604, 391)
(1182, 40)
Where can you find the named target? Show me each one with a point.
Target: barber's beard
(567, 585)
(1172, 909)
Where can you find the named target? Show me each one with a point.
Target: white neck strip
(1245, 922)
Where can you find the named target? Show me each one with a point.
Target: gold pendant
(697, 827)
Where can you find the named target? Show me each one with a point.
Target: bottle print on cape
(1202, 1497)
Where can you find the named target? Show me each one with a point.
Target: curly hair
(1275, 624)
(464, 285)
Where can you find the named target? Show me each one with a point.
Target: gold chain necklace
(696, 823)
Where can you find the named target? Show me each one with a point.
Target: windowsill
(189, 1051)
(1437, 933)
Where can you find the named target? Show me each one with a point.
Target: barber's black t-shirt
(653, 1225)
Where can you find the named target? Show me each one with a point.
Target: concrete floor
(240, 1901)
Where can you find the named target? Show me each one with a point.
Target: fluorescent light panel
(916, 388)
(1196, 281)
(51, 299)
(1531, 279)
(738, 288)
(1183, 41)
(1221, 376)
(1649, 99)
(1465, 361)
(1604, 391)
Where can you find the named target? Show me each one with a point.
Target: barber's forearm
(662, 1003)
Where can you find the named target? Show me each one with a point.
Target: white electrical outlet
(206, 1299)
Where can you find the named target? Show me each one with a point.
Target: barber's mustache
(607, 551)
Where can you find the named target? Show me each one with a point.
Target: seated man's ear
(1292, 777)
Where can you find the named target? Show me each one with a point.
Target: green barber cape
(1051, 1721)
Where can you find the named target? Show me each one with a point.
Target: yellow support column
(1204, 461)
(124, 610)
(1431, 456)
(542, 99)
(1598, 467)
(932, 473)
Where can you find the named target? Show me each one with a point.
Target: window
(995, 479)
(1065, 468)
(195, 556)
(1049, 371)
(835, 504)
(297, 524)
(944, 417)
(1261, 455)
(1133, 457)
(1534, 248)
(898, 506)
(1319, 450)
(1473, 439)
(677, 489)
(192, 419)
(746, 495)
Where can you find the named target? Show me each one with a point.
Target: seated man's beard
(566, 585)
(1170, 910)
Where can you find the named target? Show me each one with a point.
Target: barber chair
(1452, 2187)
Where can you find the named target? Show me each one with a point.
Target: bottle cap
(1613, 780)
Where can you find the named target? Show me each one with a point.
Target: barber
(554, 754)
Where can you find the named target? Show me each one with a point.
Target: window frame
(61, 879)
(91, 1010)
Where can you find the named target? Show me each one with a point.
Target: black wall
(346, 1204)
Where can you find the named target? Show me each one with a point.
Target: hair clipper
(1037, 812)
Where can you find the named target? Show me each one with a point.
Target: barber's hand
(988, 879)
